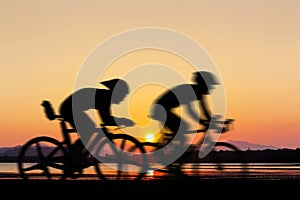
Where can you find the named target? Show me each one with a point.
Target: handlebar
(117, 127)
(223, 126)
(215, 119)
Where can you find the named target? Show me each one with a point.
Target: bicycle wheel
(42, 158)
(228, 160)
(120, 157)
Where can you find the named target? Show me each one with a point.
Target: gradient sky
(254, 44)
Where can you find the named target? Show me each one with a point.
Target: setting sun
(149, 137)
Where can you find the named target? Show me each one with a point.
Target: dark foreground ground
(243, 188)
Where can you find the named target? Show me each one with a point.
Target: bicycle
(45, 157)
(206, 148)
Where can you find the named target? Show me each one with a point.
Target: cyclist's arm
(205, 108)
(106, 117)
(110, 120)
(195, 116)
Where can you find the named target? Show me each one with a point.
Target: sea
(204, 170)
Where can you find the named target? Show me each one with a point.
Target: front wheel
(42, 158)
(120, 157)
(228, 159)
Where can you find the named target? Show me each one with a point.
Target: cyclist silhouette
(164, 106)
(76, 105)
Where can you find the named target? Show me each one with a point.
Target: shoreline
(273, 184)
(256, 183)
(169, 186)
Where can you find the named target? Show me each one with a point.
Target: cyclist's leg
(85, 128)
(178, 126)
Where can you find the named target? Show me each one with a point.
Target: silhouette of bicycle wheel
(121, 157)
(42, 158)
(228, 160)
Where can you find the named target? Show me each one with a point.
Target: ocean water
(292, 169)
(8, 168)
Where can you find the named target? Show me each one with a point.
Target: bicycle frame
(61, 156)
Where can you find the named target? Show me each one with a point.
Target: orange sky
(254, 44)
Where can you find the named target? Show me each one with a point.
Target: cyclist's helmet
(118, 83)
(119, 87)
(204, 77)
(205, 80)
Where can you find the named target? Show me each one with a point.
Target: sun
(149, 137)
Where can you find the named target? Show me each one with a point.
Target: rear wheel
(42, 158)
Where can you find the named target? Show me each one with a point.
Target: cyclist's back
(164, 106)
(73, 108)
(181, 94)
(86, 99)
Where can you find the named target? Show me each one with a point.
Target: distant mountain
(250, 146)
(10, 151)
(4, 149)
(14, 151)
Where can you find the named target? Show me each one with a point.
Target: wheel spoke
(120, 164)
(56, 165)
(39, 151)
(52, 153)
(123, 144)
(48, 164)
(33, 167)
